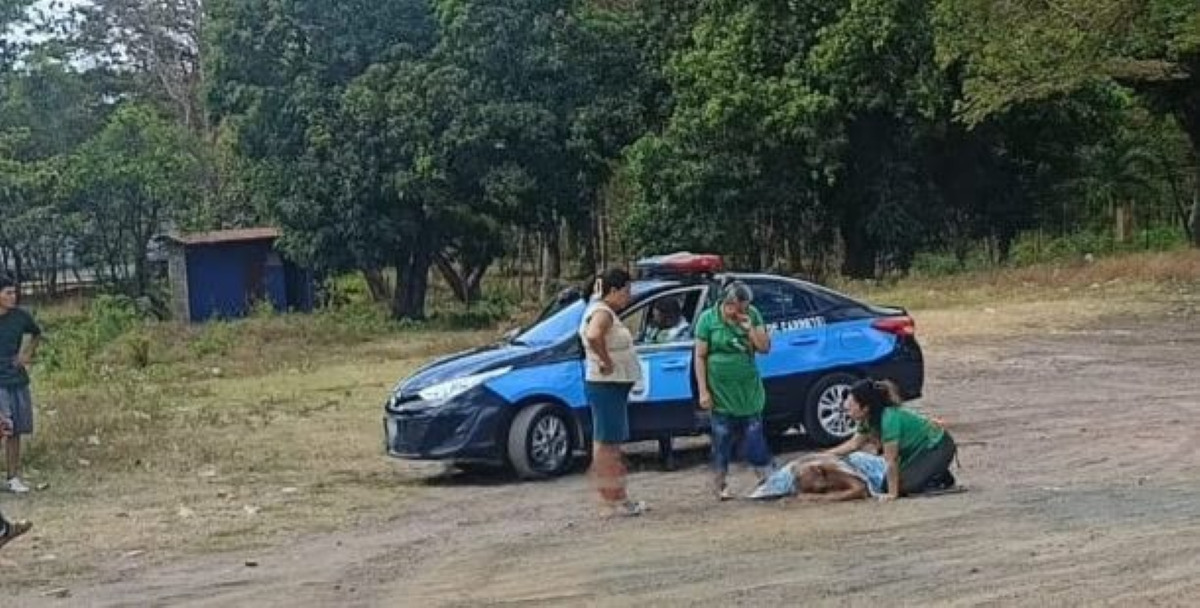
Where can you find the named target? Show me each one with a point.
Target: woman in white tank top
(612, 370)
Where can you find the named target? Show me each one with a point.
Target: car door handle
(675, 366)
(805, 341)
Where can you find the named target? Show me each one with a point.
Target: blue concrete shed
(224, 274)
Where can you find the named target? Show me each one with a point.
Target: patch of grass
(276, 433)
(1127, 274)
(1034, 248)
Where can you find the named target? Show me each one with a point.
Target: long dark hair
(613, 279)
(876, 396)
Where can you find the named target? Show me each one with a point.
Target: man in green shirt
(728, 337)
(16, 405)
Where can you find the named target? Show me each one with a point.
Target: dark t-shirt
(14, 326)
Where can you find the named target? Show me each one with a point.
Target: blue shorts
(609, 402)
(16, 405)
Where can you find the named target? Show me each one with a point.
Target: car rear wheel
(825, 417)
(540, 442)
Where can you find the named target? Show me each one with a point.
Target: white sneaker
(16, 486)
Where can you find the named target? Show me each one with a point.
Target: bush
(1033, 248)
(936, 264)
(480, 315)
(214, 339)
(73, 345)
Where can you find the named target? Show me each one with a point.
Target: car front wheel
(540, 443)
(826, 419)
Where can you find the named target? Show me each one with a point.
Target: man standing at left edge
(16, 404)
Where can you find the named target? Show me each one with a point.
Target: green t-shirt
(913, 432)
(14, 326)
(733, 376)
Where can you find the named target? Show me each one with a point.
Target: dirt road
(1080, 449)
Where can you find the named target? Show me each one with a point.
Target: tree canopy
(425, 140)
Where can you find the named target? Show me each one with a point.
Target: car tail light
(903, 327)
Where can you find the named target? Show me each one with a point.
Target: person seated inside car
(666, 322)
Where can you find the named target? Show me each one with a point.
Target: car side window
(779, 301)
(674, 322)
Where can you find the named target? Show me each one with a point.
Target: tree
(526, 152)
(617, 92)
(280, 80)
(793, 120)
(47, 109)
(11, 12)
(155, 43)
(135, 178)
(1023, 51)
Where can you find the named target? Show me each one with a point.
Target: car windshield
(562, 317)
(554, 326)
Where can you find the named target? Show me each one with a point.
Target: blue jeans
(728, 430)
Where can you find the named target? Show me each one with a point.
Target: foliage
(135, 177)
(433, 138)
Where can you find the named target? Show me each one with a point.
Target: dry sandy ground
(1079, 448)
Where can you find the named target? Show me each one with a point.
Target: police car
(521, 402)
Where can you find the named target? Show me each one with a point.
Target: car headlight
(458, 386)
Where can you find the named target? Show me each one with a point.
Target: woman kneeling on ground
(918, 452)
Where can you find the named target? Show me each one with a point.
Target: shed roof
(225, 236)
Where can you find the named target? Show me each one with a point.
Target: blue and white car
(521, 402)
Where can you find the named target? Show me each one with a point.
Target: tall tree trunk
(522, 246)
(591, 249)
(551, 260)
(859, 259)
(475, 284)
(55, 268)
(1189, 117)
(1195, 223)
(466, 282)
(603, 235)
(412, 282)
(377, 284)
(18, 265)
(1178, 198)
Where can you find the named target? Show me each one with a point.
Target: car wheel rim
(549, 444)
(831, 411)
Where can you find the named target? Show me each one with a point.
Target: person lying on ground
(917, 451)
(825, 478)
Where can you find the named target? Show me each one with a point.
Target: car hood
(463, 364)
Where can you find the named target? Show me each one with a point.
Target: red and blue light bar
(680, 264)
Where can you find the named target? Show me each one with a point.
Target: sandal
(628, 508)
(14, 529)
